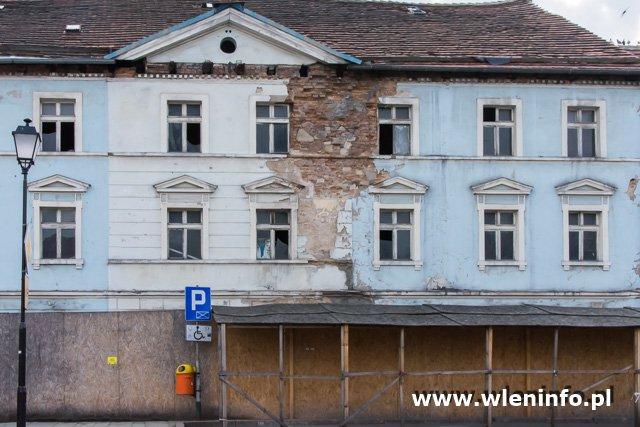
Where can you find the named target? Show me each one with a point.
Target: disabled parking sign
(197, 303)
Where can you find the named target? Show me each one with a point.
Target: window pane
(281, 217)
(262, 111)
(194, 217)
(49, 136)
(590, 219)
(49, 244)
(487, 141)
(404, 244)
(48, 109)
(574, 245)
(193, 110)
(175, 217)
(506, 218)
(68, 243)
(490, 218)
(263, 216)
(574, 218)
(489, 114)
(386, 217)
(68, 216)
(386, 244)
(263, 244)
(403, 217)
(506, 245)
(193, 137)
(572, 142)
(194, 244)
(588, 142)
(67, 136)
(402, 113)
(590, 245)
(504, 115)
(175, 244)
(280, 137)
(588, 116)
(572, 116)
(505, 141)
(48, 215)
(66, 109)
(175, 137)
(281, 111)
(490, 245)
(384, 113)
(402, 140)
(262, 138)
(385, 139)
(175, 110)
(282, 244)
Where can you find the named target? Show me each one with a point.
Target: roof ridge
(451, 4)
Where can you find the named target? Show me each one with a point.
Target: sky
(603, 17)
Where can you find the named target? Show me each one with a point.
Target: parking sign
(197, 303)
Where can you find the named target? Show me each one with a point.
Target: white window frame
(254, 101)
(57, 184)
(517, 136)
(518, 192)
(570, 194)
(414, 114)
(601, 125)
(399, 186)
(261, 194)
(185, 226)
(183, 119)
(76, 98)
(181, 98)
(272, 229)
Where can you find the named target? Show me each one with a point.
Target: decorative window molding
(57, 98)
(391, 197)
(578, 198)
(254, 101)
(184, 98)
(273, 194)
(599, 124)
(184, 193)
(413, 121)
(515, 123)
(59, 192)
(496, 199)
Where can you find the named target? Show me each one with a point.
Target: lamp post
(26, 139)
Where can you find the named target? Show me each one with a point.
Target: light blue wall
(16, 103)
(449, 212)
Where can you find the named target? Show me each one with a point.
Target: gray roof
(427, 315)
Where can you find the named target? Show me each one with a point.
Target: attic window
(1, 6)
(414, 10)
(228, 45)
(73, 28)
(207, 5)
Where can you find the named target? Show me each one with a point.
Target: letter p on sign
(197, 303)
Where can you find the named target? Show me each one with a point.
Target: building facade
(240, 147)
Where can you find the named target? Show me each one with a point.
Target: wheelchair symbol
(198, 335)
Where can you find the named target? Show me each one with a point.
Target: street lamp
(26, 139)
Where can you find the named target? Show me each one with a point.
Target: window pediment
(185, 184)
(272, 185)
(58, 184)
(502, 186)
(585, 187)
(398, 185)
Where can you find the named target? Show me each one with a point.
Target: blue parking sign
(197, 303)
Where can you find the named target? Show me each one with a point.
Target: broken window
(582, 131)
(184, 121)
(394, 135)
(58, 119)
(184, 233)
(58, 233)
(498, 127)
(499, 235)
(584, 232)
(272, 128)
(396, 228)
(273, 227)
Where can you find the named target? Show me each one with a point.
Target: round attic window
(228, 45)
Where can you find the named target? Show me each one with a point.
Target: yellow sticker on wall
(112, 360)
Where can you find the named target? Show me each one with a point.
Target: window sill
(482, 265)
(567, 265)
(79, 263)
(207, 261)
(416, 264)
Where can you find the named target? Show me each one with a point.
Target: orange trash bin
(186, 380)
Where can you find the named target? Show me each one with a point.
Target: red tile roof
(379, 32)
